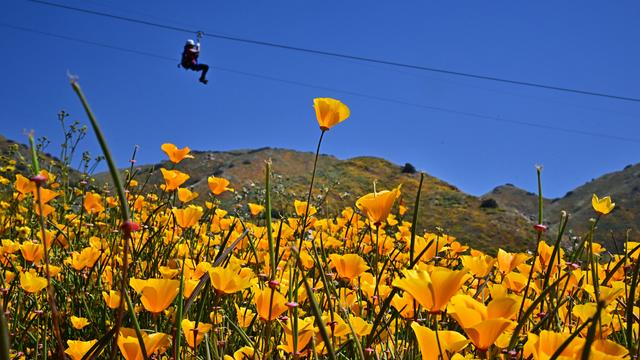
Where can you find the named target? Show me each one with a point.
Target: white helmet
(190, 42)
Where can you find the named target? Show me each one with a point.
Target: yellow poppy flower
(188, 216)
(330, 112)
(450, 342)
(509, 261)
(360, 325)
(483, 323)
(111, 298)
(173, 179)
(457, 248)
(255, 209)
(434, 290)
(77, 348)
(305, 333)
(185, 195)
(348, 266)
(377, 205)
(157, 294)
(301, 207)
(245, 353)
(9, 276)
(93, 203)
(218, 185)
(404, 305)
(603, 349)
(176, 155)
(23, 185)
(602, 206)
(130, 348)
(9, 247)
(545, 344)
(479, 266)
(31, 251)
(193, 335)
(79, 322)
(46, 210)
(86, 258)
(46, 194)
(268, 307)
(31, 282)
(515, 281)
(245, 316)
(229, 281)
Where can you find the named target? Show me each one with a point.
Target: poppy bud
(39, 179)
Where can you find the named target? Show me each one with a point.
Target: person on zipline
(190, 59)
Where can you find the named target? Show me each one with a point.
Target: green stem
(43, 228)
(267, 215)
(415, 221)
(124, 208)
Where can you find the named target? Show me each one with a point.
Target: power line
(341, 55)
(336, 90)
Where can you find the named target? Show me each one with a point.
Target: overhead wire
(336, 90)
(341, 55)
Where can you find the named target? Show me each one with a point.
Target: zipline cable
(341, 55)
(336, 90)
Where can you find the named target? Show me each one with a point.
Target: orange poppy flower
(188, 216)
(330, 112)
(377, 205)
(193, 335)
(173, 179)
(31, 282)
(130, 347)
(93, 203)
(269, 307)
(77, 348)
(348, 266)
(449, 341)
(176, 155)
(434, 290)
(157, 294)
(218, 185)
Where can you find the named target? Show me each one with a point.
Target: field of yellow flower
(139, 272)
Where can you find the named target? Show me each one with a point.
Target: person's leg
(205, 69)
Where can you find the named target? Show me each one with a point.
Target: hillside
(340, 183)
(623, 186)
(22, 155)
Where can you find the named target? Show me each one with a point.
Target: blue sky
(146, 101)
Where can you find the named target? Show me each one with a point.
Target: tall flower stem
(39, 181)
(128, 226)
(313, 177)
(539, 237)
(303, 229)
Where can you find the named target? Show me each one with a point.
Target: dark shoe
(204, 81)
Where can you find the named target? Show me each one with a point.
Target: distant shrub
(568, 193)
(246, 162)
(409, 169)
(489, 204)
